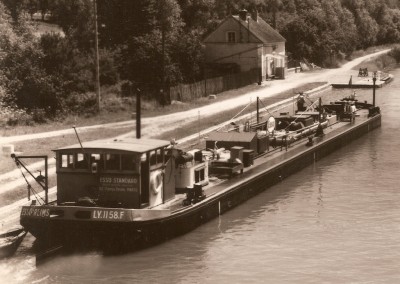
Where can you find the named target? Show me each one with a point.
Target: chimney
(243, 15)
(254, 15)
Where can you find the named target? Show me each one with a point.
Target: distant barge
(122, 195)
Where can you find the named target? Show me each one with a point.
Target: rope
(30, 188)
(301, 114)
(235, 116)
(266, 108)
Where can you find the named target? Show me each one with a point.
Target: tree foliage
(153, 43)
(23, 79)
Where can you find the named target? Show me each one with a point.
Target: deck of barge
(351, 80)
(274, 159)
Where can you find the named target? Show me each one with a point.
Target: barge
(122, 195)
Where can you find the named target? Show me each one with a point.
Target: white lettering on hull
(108, 214)
(35, 212)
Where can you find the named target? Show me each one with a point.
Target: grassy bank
(384, 62)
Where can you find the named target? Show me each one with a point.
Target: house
(246, 42)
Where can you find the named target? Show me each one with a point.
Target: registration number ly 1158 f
(107, 214)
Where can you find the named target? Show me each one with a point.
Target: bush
(39, 115)
(385, 61)
(10, 116)
(108, 67)
(395, 53)
(85, 103)
(114, 104)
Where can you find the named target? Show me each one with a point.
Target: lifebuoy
(156, 182)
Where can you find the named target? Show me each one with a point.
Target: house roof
(259, 29)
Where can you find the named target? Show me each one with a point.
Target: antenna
(77, 136)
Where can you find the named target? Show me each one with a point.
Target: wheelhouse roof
(129, 144)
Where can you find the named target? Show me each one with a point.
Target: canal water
(337, 221)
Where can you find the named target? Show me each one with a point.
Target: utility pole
(274, 10)
(138, 113)
(163, 63)
(97, 56)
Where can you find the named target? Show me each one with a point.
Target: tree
(188, 53)
(15, 7)
(44, 7)
(76, 18)
(388, 21)
(367, 28)
(148, 57)
(22, 77)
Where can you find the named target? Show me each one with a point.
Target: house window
(231, 36)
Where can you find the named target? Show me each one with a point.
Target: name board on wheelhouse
(119, 190)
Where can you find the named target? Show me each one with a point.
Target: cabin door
(144, 179)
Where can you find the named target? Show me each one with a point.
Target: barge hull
(118, 237)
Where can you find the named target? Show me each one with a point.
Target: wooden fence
(189, 92)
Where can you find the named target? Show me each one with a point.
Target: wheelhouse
(126, 173)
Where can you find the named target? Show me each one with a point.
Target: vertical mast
(374, 86)
(320, 110)
(97, 56)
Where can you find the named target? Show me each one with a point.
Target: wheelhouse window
(81, 161)
(97, 160)
(113, 162)
(129, 163)
(103, 162)
(156, 157)
(231, 36)
(67, 161)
